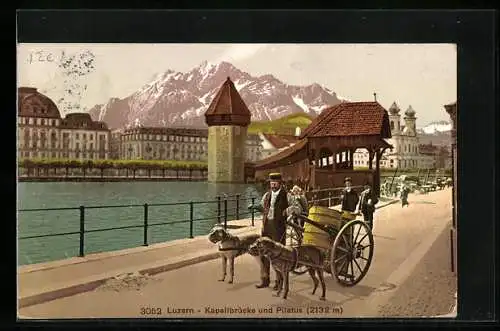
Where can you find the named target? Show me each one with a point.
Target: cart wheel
(294, 239)
(352, 253)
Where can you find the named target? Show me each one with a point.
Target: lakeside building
(406, 152)
(157, 143)
(44, 133)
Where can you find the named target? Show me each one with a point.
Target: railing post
(225, 212)
(329, 198)
(218, 209)
(191, 213)
(237, 206)
(253, 211)
(145, 224)
(82, 231)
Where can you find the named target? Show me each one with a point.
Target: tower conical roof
(394, 109)
(227, 107)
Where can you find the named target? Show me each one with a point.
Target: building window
(84, 136)
(91, 136)
(77, 136)
(77, 145)
(91, 145)
(53, 154)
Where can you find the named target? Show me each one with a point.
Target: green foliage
(117, 164)
(284, 125)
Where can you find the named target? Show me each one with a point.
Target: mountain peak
(175, 98)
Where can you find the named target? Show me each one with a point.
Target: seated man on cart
(298, 199)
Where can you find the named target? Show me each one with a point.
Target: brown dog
(285, 259)
(230, 247)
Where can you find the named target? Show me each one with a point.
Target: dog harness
(239, 248)
(295, 257)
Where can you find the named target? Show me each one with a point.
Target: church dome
(410, 112)
(31, 103)
(394, 109)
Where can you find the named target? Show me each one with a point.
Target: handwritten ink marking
(42, 56)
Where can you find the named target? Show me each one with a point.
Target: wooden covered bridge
(323, 156)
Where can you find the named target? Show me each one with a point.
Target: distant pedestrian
(404, 196)
(367, 203)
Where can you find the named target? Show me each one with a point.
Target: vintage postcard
(236, 180)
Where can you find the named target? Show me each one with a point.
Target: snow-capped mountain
(436, 127)
(180, 99)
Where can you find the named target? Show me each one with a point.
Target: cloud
(240, 52)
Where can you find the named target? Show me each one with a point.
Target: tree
(86, 164)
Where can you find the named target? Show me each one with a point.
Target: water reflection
(71, 194)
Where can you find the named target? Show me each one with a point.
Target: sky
(421, 75)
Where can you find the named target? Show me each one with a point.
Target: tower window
(392, 125)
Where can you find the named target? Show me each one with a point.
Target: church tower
(395, 119)
(227, 118)
(410, 122)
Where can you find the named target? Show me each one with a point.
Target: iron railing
(222, 216)
(223, 213)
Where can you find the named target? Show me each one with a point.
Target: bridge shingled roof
(348, 119)
(280, 141)
(283, 154)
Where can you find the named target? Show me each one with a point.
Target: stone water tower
(227, 118)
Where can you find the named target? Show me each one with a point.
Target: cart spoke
(363, 258)
(352, 268)
(343, 257)
(357, 265)
(365, 246)
(341, 269)
(346, 241)
(357, 234)
(366, 234)
(342, 249)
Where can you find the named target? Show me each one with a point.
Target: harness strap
(276, 256)
(295, 258)
(231, 249)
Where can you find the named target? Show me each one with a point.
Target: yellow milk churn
(314, 236)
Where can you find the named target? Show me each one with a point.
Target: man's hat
(275, 177)
(347, 179)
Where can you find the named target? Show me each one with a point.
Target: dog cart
(346, 241)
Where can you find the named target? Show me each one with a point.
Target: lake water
(69, 194)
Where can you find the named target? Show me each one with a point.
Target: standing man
(275, 203)
(349, 197)
(367, 203)
(350, 201)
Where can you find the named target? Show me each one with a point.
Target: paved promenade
(403, 236)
